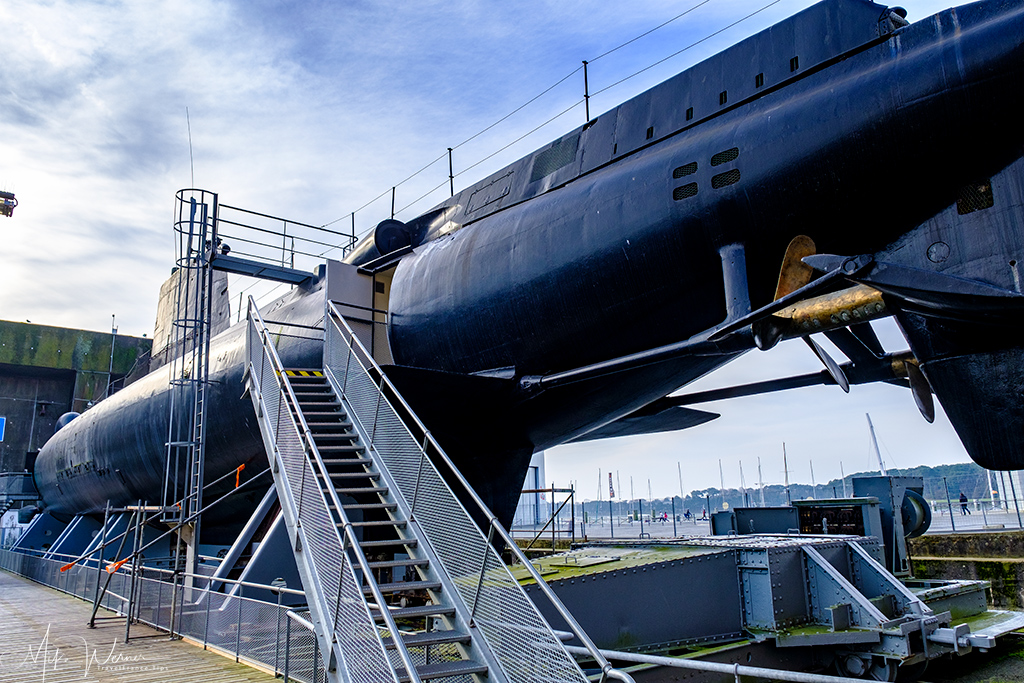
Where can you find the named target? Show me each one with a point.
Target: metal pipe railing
(151, 608)
(735, 670)
(493, 523)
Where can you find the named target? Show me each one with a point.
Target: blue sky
(308, 111)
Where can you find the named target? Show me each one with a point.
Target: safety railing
(255, 632)
(280, 241)
(332, 553)
(520, 638)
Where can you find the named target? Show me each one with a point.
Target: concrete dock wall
(996, 557)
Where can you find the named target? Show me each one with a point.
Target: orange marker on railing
(114, 566)
(238, 474)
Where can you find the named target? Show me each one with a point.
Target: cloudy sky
(309, 110)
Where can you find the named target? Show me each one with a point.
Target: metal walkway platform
(44, 639)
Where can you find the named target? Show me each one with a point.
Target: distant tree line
(967, 477)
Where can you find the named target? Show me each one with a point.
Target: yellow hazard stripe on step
(304, 373)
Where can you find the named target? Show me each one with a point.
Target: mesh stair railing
(338, 512)
(521, 642)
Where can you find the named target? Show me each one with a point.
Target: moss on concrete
(994, 557)
(1003, 544)
(42, 346)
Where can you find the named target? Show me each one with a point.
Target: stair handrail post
(376, 411)
(238, 623)
(483, 570)
(345, 534)
(419, 475)
(348, 359)
(542, 585)
(341, 577)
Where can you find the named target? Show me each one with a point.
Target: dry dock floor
(45, 638)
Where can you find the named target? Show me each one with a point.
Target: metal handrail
(736, 670)
(309, 450)
(494, 524)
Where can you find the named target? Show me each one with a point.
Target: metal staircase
(382, 531)
(401, 583)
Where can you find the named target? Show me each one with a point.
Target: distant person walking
(964, 510)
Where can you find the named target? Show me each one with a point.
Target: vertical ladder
(195, 229)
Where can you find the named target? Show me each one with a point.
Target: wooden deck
(45, 638)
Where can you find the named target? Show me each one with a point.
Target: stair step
(411, 562)
(415, 612)
(319, 436)
(374, 476)
(405, 586)
(444, 670)
(377, 523)
(371, 506)
(325, 428)
(429, 638)
(347, 461)
(321, 408)
(382, 490)
(340, 449)
(391, 542)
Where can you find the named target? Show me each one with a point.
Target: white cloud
(308, 110)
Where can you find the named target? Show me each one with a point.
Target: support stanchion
(99, 565)
(641, 502)
(135, 571)
(611, 517)
(949, 505)
(288, 647)
(1016, 505)
(674, 532)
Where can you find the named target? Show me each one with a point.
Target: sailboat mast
(874, 442)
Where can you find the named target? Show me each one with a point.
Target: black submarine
(842, 165)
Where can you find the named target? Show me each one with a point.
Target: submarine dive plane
(838, 167)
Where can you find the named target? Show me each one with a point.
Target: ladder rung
(405, 586)
(373, 476)
(429, 672)
(429, 638)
